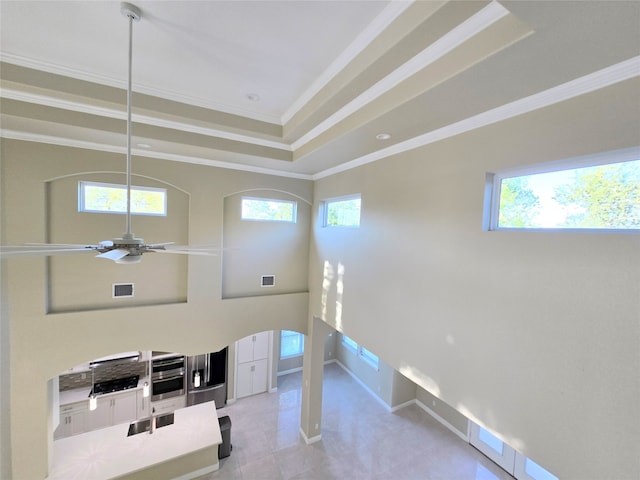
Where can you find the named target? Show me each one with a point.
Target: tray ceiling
(330, 76)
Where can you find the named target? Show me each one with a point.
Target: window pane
(491, 440)
(343, 213)
(349, 343)
(536, 471)
(369, 357)
(268, 210)
(596, 197)
(291, 343)
(108, 198)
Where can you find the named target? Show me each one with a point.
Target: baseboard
(443, 422)
(311, 440)
(291, 370)
(402, 405)
(273, 390)
(364, 385)
(199, 473)
(231, 401)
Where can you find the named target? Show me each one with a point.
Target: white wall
(534, 335)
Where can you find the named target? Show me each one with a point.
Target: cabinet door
(244, 349)
(101, 416)
(123, 408)
(260, 376)
(77, 423)
(244, 386)
(261, 346)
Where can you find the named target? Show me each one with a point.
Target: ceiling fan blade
(183, 252)
(10, 251)
(115, 254)
(60, 245)
(160, 245)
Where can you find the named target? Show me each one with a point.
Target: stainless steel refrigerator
(207, 378)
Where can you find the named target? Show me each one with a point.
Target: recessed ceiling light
(143, 145)
(383, 136)
(254, 97)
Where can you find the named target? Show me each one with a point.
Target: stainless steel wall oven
(167, 377)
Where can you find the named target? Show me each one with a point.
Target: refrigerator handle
(207, 375)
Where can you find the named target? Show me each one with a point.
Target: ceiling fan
(129, 248)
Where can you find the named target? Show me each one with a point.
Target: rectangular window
(346, 341)
(600, 192)
(369, 357)
(361, 352)
(268, 210)
(111, 198)
(291, 344)
(342, 212)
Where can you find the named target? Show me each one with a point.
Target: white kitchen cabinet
(252, 369)
(73, 420)
(253, 347)
(112, 410)
(252, 378)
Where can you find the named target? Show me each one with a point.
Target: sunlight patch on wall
(422, 380)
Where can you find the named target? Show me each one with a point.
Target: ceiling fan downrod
(133, 13)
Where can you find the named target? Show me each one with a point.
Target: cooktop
(115, 385)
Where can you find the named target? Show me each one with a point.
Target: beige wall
(43, 345)
(253, 249)
(386, 383)
(534, 335)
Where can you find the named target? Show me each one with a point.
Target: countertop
(108, 452)
(82, 394)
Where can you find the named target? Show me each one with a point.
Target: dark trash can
(224, 449)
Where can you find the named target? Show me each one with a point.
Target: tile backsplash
(102, 373)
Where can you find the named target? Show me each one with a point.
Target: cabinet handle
(253, 368)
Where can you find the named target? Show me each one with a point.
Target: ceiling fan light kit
(128, 249)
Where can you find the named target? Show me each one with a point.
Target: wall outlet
(84, 376)
(433, 402)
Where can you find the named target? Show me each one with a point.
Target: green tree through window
(606, 196)
(597, 197)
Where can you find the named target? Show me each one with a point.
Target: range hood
(124, 357)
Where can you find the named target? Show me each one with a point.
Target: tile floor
(360, 439)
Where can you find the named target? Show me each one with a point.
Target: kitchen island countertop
(108, 453)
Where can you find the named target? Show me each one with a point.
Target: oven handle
(169, 361)
(160, 380)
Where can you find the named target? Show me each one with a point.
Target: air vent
(268, 281)
(122, 290)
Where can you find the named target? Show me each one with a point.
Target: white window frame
(362, 353)
(82, 200)
(493, 185)
(299, 354)
(329, 201)
(508, 459)
(294, 212)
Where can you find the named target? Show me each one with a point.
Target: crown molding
(373, 30)
(589, 83)
(102, 147)
(145, 89)
(462, 33)
(64, 104)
